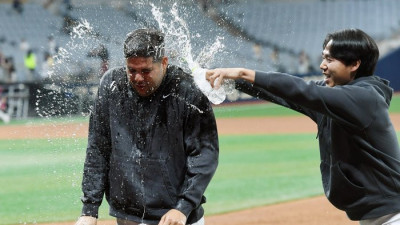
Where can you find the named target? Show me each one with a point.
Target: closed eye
(142, 72)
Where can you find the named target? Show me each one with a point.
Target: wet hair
(145, 43)
(351, 45)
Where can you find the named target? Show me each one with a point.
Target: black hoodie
(149, 154)
(360, 155)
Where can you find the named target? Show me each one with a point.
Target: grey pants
(391, 219)
(127, 222)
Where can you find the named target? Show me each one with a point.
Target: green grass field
(40, 179)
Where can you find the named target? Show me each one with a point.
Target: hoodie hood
(381, 86)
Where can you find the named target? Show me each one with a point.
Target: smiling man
(337, 71)
(153, 145)
(360, 154)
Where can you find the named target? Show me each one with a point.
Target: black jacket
(149, 154)
(360, 155)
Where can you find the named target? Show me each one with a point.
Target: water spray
(178, 32)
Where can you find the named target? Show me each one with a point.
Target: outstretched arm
(334, 102)
(245, 79)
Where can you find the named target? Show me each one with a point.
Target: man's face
(144, 75)
(335, 71)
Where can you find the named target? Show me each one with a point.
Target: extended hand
(173, 217)
(86, 220)
(217, 76)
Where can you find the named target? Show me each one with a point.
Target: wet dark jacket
(149, 154)
(360, 155)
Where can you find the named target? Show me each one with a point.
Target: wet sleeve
(348, 105)
(96, 165)
(201, 145)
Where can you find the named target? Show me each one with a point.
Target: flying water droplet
(179, 37)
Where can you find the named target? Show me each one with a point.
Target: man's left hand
(173, 217)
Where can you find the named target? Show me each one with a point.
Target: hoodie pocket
(343, 192)
(139, 184)
(158, 189)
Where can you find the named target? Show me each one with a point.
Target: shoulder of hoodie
(375, 86)
(377, 83)
(116, 74)
(184, 86)
(181, 79)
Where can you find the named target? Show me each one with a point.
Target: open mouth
(327, 78)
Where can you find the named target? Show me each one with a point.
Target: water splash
(81, 29)
(68, 60)
(178, 36)
(71, 66)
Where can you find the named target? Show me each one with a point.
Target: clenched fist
(86, 220)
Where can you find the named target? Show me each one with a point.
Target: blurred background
(53, 52)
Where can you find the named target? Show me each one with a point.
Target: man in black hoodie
(153, 144)
(360, 155)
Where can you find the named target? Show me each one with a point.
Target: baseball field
(268, 171)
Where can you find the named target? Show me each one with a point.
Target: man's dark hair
(145, 43)
(350, 45)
